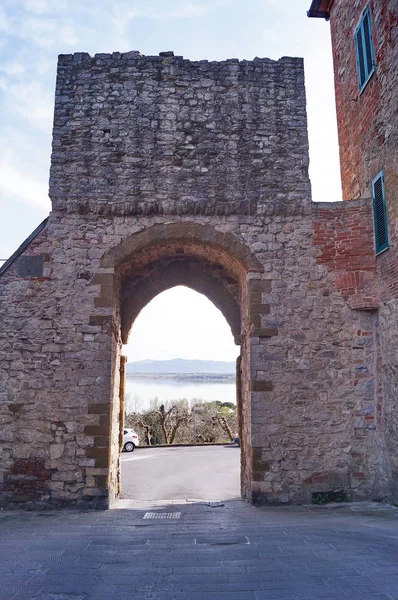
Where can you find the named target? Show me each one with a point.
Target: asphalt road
(190, 473)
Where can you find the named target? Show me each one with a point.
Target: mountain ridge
(180, 366)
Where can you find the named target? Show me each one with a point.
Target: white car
(130, 440)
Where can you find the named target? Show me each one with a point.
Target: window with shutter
(364, 49)
(380, 213)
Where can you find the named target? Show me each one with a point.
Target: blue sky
(34, 32)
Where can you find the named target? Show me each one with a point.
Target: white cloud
(121, 20)
(18, 184)
(36, 6)
(31, 100)
(5, 25)
(122, 16)
(186, 11)
(13, 68)
(46, 32)
(40, 7)
(44, 65)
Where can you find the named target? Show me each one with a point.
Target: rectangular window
(365, 49)
(380, 213)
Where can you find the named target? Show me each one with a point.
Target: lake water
(140, 392)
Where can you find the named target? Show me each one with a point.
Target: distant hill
(181, 366)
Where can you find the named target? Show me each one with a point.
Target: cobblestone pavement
(205, 551)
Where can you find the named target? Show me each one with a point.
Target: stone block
(93, 491)
(259, 309)
(29, 266)
(21, 450)
(97, 453)
(102, 462)
(262, 286)
(97, 430)
(100, 319)
(97, 471)
(87, 462)
(56, 451)
(102, 441)
(102, 481)
(261, 386)
(264, 332)
(99, 409)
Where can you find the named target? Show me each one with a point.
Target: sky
(34, 32)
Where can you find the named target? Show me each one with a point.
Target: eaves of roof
(320, 9)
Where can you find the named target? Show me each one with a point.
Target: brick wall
(368, 136)
(343, 235)
(367, 120)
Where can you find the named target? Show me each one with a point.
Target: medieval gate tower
(168, 172)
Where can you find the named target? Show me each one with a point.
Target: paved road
(206, 473)
(230, 552)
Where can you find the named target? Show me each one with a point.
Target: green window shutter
(364, 49)
(368, 48)
(380, 213)
(360, 59)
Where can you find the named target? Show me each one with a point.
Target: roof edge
(320, 9)
(23, 247)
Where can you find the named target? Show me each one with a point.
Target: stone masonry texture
(368, 137)
(167, 172)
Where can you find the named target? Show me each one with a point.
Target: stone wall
(308, 361)
(224, 137)
(368, 135)
(146, 194)
(387, 392)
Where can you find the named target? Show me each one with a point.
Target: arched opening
(204, 269)
(180, 408)
(215, 264)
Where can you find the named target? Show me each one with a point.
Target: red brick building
(365, 56)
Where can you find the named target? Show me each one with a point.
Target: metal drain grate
(159, 515)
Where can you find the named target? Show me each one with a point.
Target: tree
(147, 425)
(222, 418)
(180, 421)
(172, 418)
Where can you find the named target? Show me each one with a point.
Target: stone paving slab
(211, 552)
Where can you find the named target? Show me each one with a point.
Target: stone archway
(141, 285)
(161, 257)
(196, 172)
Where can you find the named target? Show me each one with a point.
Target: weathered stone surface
(207, 132)
(167, 172)
(29, 266)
